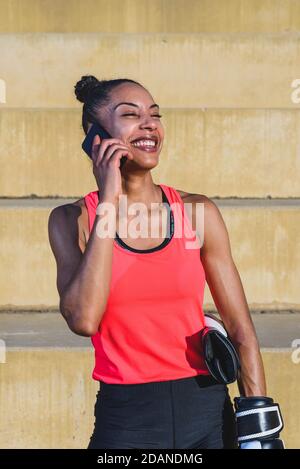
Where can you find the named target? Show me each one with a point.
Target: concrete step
(139, 16)
(204, 151)
(194, 70)
(48, 394)
(31, 329)
(263, 235)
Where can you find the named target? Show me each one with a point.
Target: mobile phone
(87, 143)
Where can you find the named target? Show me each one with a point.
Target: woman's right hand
(106, 156)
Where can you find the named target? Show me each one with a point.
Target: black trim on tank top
(170, 229)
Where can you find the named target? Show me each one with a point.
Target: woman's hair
(94, 94)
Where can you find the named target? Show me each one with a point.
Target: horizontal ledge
(90, 348)
(41, 348)
(294, 107)
(254, 311)
(51, 202)
(163, 35)
(39, 331)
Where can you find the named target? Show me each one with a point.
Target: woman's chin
(146, 161)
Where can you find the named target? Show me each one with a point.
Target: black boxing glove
(220, 355)
(259, 422)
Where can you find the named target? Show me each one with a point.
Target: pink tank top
(150, 330)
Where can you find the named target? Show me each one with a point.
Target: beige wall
(181, 70)
(47, 397)
(135, 16)
(263, 241)
(222, 72)
(203, 152)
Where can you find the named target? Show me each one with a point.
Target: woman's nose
(149, 123)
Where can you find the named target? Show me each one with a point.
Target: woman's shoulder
(76, 215)
(83, 220)
(70, 217)
(192, 197)
(208, 209)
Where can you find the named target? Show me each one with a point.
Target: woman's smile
(145, 145)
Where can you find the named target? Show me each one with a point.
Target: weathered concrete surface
(264, 240)
(31, 329)
(47, 396)
(211, 70)
(138, 16)
(217, 152)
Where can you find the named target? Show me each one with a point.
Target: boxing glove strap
(261, 422)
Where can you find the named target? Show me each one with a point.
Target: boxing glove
(220, 355)
(259, 422)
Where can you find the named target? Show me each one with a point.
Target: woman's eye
(132, 114)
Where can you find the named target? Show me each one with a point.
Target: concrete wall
(47, 397)
(225, 75)
(136, 16)
(210, 70)
(263, 240)
(204, 150)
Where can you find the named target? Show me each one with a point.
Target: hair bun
(84, 87)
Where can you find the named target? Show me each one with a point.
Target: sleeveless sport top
(150, 330)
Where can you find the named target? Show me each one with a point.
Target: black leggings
(193, 412)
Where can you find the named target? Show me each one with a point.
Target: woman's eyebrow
(132, 104)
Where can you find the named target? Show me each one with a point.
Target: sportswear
(150, 330)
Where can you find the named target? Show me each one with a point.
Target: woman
(140, 300)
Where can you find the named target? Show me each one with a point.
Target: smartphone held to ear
(87, 144)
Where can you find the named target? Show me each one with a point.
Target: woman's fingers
(104, 145)
(110, 152)
(95, 147)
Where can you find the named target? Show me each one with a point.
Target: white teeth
(141, 143)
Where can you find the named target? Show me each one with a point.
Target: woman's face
(129, 122)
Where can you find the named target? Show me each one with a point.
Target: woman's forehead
(135, 94)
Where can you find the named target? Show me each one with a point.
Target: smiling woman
(123, 118)
(141, 301)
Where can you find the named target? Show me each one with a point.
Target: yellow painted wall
(47, 397)
(222, 72)
(135, 16)
(180, 70)
(263, 244)
(203, 152)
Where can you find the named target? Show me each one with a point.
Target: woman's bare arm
(229, 297)
(83, 278)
